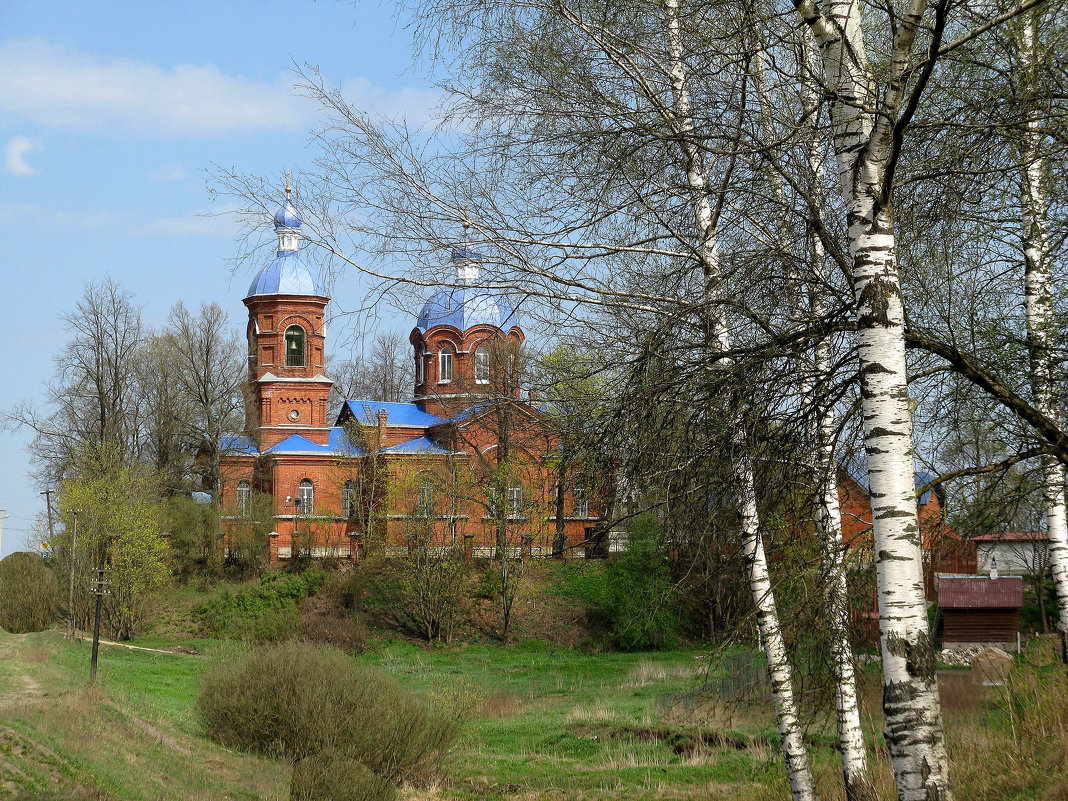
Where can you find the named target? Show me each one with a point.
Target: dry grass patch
(597, 714)
(648, 672)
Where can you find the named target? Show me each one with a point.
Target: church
(466, 463)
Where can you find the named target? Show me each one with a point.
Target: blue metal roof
(287, 274)
(464, 307)
(421, 445)
(232, 444)
(400, 414)
(339, 444)
(287, 217)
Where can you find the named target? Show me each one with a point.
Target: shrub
(28, 593)
(635, 591)
(265, 613)
(318, 709)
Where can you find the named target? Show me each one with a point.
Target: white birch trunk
(914, 730)
(821, 421)
(1038, 279)
(798, 770)
(829, 512)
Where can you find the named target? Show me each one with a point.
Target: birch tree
(1039, 305)
(867, 127)
(708, 257)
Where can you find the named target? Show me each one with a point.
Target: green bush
(634, 591)
(340, 724)
(265, 613)
(28, 593)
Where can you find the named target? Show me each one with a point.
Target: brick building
(466, 461)
(943, 550)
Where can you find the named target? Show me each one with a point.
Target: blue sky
(111, 114)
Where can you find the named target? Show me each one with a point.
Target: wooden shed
(979, 608)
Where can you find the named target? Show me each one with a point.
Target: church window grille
(244, 498)
(515, 501)
(582, 502)
(306, 497)
(294, 346)
(426, 497)
(350, 496)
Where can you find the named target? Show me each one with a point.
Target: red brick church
(466, 462)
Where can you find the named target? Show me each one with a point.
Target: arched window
(306, 497)
(244, 498)
(350, 498)
(482, 365)
(445, 364)
(420, 358)
(294, 346)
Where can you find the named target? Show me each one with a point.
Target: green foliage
(430, 589)
(263, 613)
(119, 526)
(306, 703)
(194, 536)
(635, 591)
(28, 593)
(339, 777)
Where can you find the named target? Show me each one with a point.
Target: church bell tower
(289, 389)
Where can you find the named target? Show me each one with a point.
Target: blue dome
(287, 217)
(463, 307)
(287, 274)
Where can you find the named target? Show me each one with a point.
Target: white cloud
(170, 172)
(15, 155)
(217, 222)
(221, 220)
(416, 105)
(60, 88)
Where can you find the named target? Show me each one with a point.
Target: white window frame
(515, 501)
(421, 358)
(582, 501)
(244, 498)
(445, 365)
(426, 497)
(306, 497)
(349, 499)
(482, 365)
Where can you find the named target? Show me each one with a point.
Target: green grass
(537, 722)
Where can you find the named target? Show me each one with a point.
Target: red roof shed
(979, 609)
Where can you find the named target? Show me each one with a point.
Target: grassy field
(537, 722)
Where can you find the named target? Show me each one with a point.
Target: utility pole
(48, 508)
(98, 590)
(3, 516)
(70, 599)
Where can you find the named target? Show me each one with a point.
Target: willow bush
(327, 715)
(28, 593)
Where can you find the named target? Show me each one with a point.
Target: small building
(978, 609)
(1013, 553)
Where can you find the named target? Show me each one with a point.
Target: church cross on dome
(465, 258)
(287, 222)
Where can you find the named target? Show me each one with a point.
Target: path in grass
(134, 739)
